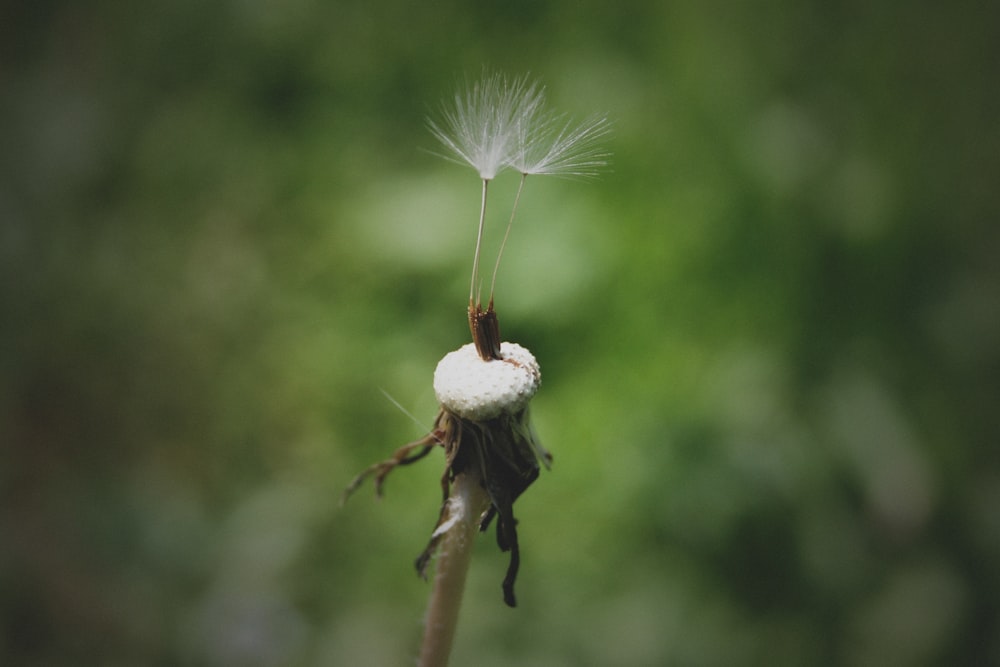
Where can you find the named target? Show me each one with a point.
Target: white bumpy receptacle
(478, 390)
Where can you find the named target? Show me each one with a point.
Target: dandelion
(484, 388)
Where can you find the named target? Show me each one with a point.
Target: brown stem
(465, 506)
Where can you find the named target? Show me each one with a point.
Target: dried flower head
(484, 388)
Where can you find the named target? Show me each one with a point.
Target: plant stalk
(465, 506)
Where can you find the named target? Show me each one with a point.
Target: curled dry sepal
(484, 388)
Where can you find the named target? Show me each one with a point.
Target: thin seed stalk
(466, 504)
(503, 244)
(473, 296)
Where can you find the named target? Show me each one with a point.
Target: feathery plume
(498, 123)
(548, 144)
(478, 129)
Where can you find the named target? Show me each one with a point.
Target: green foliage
(769, 336)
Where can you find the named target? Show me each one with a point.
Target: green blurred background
(770, 334)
